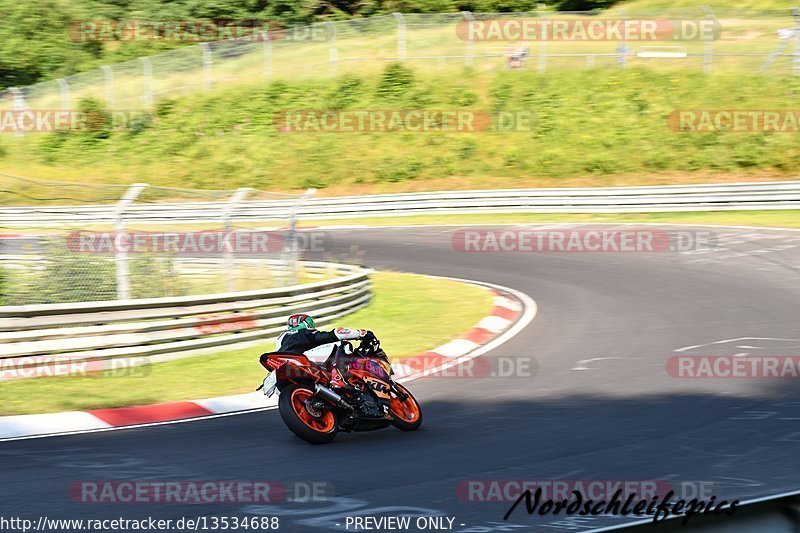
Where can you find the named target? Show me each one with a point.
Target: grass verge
(398, 315)
(777, 218)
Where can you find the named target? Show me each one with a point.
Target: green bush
(64, 276)
(68, 277)
(393, 171)
(347, 91)
(155, 277)
(396, 80)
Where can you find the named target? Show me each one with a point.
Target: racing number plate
(270, 384)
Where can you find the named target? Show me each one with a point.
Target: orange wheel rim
(408, 411)
(323, 424)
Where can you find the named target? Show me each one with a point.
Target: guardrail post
(796, 58)
(333, 52)
(470, 44)
(121, 254)
(108, 74)
(228, 256)
(18, 103)
(147, 83)
(266, 45)
(542, 64)
(708, 41)
(401, 36)
(63, 90)
(290, 248)
(207, 62)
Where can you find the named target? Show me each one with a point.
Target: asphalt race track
(600, 405)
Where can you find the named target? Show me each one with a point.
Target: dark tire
(406, 416)
(314, 430)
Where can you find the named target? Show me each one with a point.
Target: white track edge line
(530, 310)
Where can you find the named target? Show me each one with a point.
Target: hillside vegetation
(602, 126)
(37, 43)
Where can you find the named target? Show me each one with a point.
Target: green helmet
(300, 321)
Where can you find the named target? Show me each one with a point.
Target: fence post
(542, 65)
(708, 41)
(401, 36)
(108, 74)
(207, 62)
(18, 103)
(622, 47)
(470, 45)
(796, 58)
(290, 246)
(228, 256)
(63, 90)
(333, 52)
(782, 44)
(120, 254)
(147, 73)
(267, 48)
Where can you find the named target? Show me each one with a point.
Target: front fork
(401, 395)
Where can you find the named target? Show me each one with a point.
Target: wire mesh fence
(100, 247)
(743, 39)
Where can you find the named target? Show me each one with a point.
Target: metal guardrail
(152, 329)
(712, 197)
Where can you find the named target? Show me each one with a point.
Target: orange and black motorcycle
(366, 399)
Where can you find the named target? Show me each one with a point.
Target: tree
(35, 41)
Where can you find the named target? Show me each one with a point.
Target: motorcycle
(369, 400)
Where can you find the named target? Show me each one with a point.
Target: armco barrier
(166, 328)
(745, 196)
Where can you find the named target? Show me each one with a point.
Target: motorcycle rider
(302, 335)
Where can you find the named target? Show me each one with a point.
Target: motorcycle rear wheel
(310, 428)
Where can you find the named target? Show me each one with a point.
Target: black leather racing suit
(302, 340)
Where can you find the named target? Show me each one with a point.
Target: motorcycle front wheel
(301, 421)
(406, 415)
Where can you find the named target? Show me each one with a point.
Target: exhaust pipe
(332, 397)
